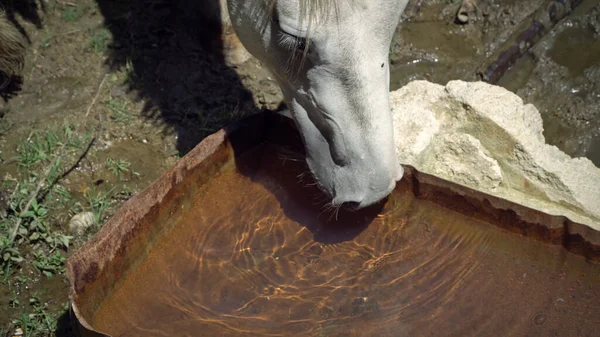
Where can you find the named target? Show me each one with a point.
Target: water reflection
(254, 258)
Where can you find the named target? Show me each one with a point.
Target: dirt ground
(558, 74)
(115, 91)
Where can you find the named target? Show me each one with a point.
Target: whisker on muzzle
(335, 211)
(306, 180)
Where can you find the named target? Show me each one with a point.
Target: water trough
(231, 242)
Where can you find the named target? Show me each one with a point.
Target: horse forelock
(312, 11)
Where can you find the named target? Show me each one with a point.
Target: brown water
(255, 258)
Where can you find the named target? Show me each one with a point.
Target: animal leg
(233, 50)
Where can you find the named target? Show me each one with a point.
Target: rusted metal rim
(95, 269)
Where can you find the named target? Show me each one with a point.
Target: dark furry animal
(12, 51)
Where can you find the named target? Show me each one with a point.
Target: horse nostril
(351, 205)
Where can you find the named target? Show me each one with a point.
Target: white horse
(330, 58)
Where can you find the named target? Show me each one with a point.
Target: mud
(559, 74)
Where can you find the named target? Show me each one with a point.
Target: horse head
(330, 58)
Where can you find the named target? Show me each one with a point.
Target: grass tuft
(100, 40)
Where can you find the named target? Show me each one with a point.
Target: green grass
(41, 245)
(46, 42)
(74, 13)
(99, 41)
(99, 203)
(71, 14)
(43, 189)
(119, 110)
(38, 321)
(49, 264)
(40, 147)
(4, 126)
(120, 167)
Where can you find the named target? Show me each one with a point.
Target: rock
(80, 222)
(484, 137)
(463, 157)
(466, 8)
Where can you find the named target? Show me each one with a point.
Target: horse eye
(301, 44)
(289, 41)
(292, 42)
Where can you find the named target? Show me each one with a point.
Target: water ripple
(250, 260)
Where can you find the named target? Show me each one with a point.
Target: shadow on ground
(173, 52)
(63, 326)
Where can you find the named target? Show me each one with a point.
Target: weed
(99, 41)
(37, 323)
(4, 126)
(119, 167)
(46, 42)
(49, 264)
(119, 109)
(28, 323)
(36, 228)
(71, 14)
(37, 212)
(27, 221)
(36, 149)
(14, 302)
(59, 197)
(10, 256)
(40, 147)
(40, 190)
(99, 203)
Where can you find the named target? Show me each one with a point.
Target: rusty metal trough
(123, 243)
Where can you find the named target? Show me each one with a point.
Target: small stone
(463, 17)
(80, 222)
(467, 7)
